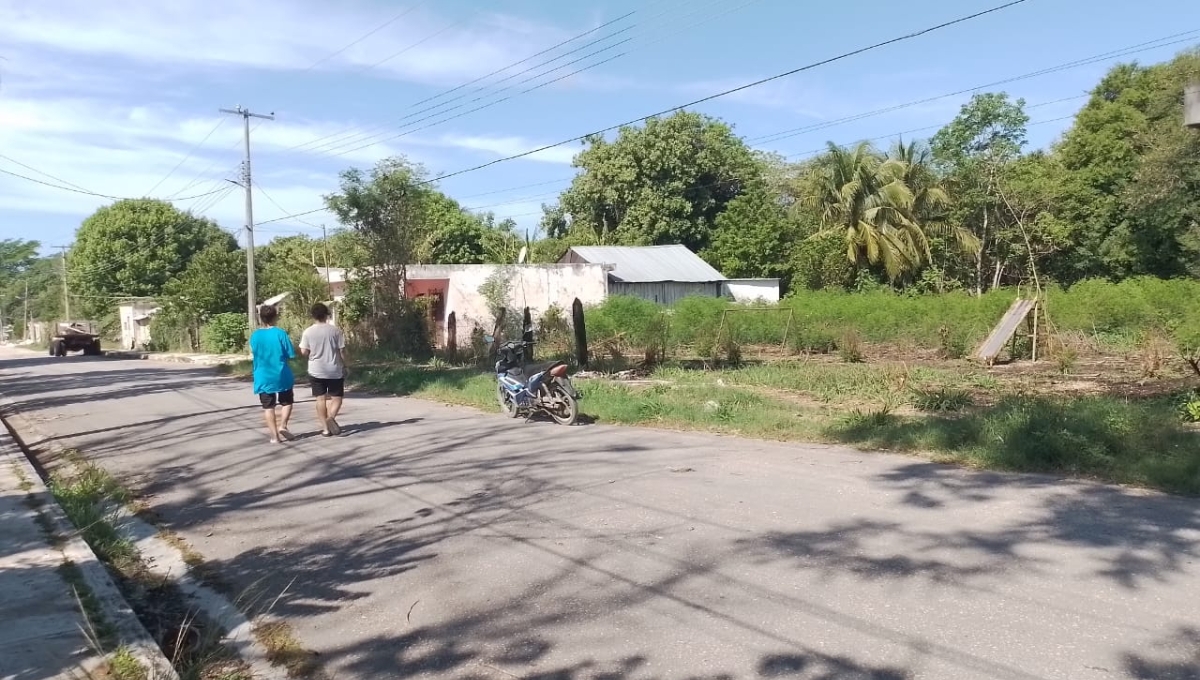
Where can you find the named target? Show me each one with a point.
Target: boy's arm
(304, 348)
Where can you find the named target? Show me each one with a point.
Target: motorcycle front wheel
(508, 404)
(563, 407)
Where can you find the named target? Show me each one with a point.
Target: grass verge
(90, 497)
(956, 415)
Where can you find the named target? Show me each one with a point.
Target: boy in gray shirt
(325, 346)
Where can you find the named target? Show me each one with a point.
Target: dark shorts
(285, 398)
(327, 387)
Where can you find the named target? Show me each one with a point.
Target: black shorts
(327, 387)
(285, 398)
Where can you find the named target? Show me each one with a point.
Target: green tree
(862, 195)
(386, 209)
(134, 247)
(663, 183)
(753, 237)
(287, 265)
(977, 150)
(213, 283)
(1129, 193)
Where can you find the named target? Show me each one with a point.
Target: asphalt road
(439, 542)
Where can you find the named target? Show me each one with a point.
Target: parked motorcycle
(524, 390)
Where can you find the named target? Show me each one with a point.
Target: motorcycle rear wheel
(566, 411)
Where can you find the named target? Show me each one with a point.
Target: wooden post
(578, 325)
(1037, 309)
(497, 335)
(527, 331)
(451, 338)
(788, 328)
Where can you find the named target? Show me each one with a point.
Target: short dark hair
(268, 314)
(319, 311)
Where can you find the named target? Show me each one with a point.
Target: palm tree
(883, 204)
(862, 194)
(931, 201)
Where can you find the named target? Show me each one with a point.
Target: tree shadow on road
(1176, 657)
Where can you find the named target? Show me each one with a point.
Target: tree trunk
(983, 243)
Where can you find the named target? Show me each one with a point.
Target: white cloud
(510, 146)
(274, 35)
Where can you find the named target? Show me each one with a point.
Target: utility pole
(251, 296)
(325, 245)
(25, 334)
(66, 295)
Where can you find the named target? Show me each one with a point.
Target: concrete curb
(132, 633)
(176, 358)
(166, 561)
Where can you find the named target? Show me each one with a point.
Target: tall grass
(1111, 314)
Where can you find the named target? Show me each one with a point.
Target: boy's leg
(286, 399)
(319, 390)
(334, 407)
(268, 404)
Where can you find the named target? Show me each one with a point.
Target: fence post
(527, 331)
(577, 324)
(451, 338)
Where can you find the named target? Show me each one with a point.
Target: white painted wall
(135, 333)
(752, 290)
(538, 287)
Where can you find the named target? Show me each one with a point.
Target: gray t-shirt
(324, 343)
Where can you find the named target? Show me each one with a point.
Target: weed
(99, 628)
(123, 665)
(1065, 359)
(813, 340)
(850, 348)
(1153, 351)
(941, 399)
(951, 345)
(1189, 406)
(283, 649)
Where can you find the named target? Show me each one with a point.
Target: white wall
(538, 287)
(133, 333)
(753, 290)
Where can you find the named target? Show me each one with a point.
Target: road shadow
(1175, 657)
(1133, 539)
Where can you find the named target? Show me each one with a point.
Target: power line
(403, 13)
(377, 138)
(1125, 51)
(40, 172)
(354, 139)
(220, 122)
(823, 62)
(472, 82)
(91, 193)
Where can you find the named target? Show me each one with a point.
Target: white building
(458, 289)
(135, 318)
(667, 274)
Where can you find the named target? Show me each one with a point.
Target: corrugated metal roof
(650, 264)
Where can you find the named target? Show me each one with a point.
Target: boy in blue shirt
(271, 348)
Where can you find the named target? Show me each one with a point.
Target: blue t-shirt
(271, 348)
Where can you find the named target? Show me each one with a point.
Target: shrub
(951, 344)
(628, 325)
(941, 399)
(850, 348)
(224, 334)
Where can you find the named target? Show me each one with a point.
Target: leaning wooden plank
(1004, 330)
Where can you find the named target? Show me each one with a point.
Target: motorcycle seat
(531, 370)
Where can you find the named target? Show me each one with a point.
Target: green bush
(808, 339)
(624, 325)
(224, 334)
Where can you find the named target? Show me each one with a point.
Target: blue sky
(111, 101)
